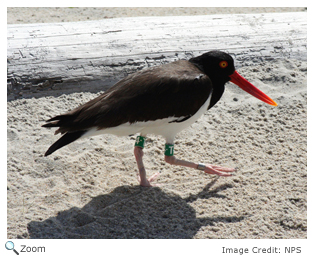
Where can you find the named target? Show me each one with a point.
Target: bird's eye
(223, 64)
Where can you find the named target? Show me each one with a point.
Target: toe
(218, 170)
(154, 177)
(224, 169)
(147, 182)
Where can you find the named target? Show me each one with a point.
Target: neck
(218, 90)
(218, 84)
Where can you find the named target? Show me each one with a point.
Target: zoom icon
(10, 246)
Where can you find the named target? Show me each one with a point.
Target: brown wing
(177, 89)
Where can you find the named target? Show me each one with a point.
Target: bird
(160, 100)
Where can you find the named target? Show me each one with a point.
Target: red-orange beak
(237, 79)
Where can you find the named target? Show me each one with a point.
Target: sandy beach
(89, 189)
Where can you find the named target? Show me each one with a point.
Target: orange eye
(223, 64)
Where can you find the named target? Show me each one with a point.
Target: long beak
(237, 79)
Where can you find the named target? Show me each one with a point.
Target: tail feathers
(52, 124)
(64, 140)
(58, 120)
(64, 122)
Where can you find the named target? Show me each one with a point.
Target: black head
(217, 65)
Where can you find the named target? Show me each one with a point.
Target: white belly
(161, 127)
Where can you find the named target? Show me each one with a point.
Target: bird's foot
(218, 170)
(147, 182)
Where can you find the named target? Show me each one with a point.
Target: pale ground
(21, 15)
(89, 188)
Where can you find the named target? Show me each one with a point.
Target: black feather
(64, 140)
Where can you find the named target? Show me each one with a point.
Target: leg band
(201, 167)
(140, 141)
(169, 149)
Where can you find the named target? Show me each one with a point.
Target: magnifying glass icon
(10, 246)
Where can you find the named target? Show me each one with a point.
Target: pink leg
(209, 169)
(138, 152)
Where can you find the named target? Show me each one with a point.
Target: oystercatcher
(159, 100)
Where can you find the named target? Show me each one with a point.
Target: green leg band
(169, 149)
(140, 141)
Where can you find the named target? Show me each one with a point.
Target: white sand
(89, 188)
(21, 15)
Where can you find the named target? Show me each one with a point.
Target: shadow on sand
(132, 212)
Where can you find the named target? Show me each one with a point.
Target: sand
(89, 188)
(21, 15)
